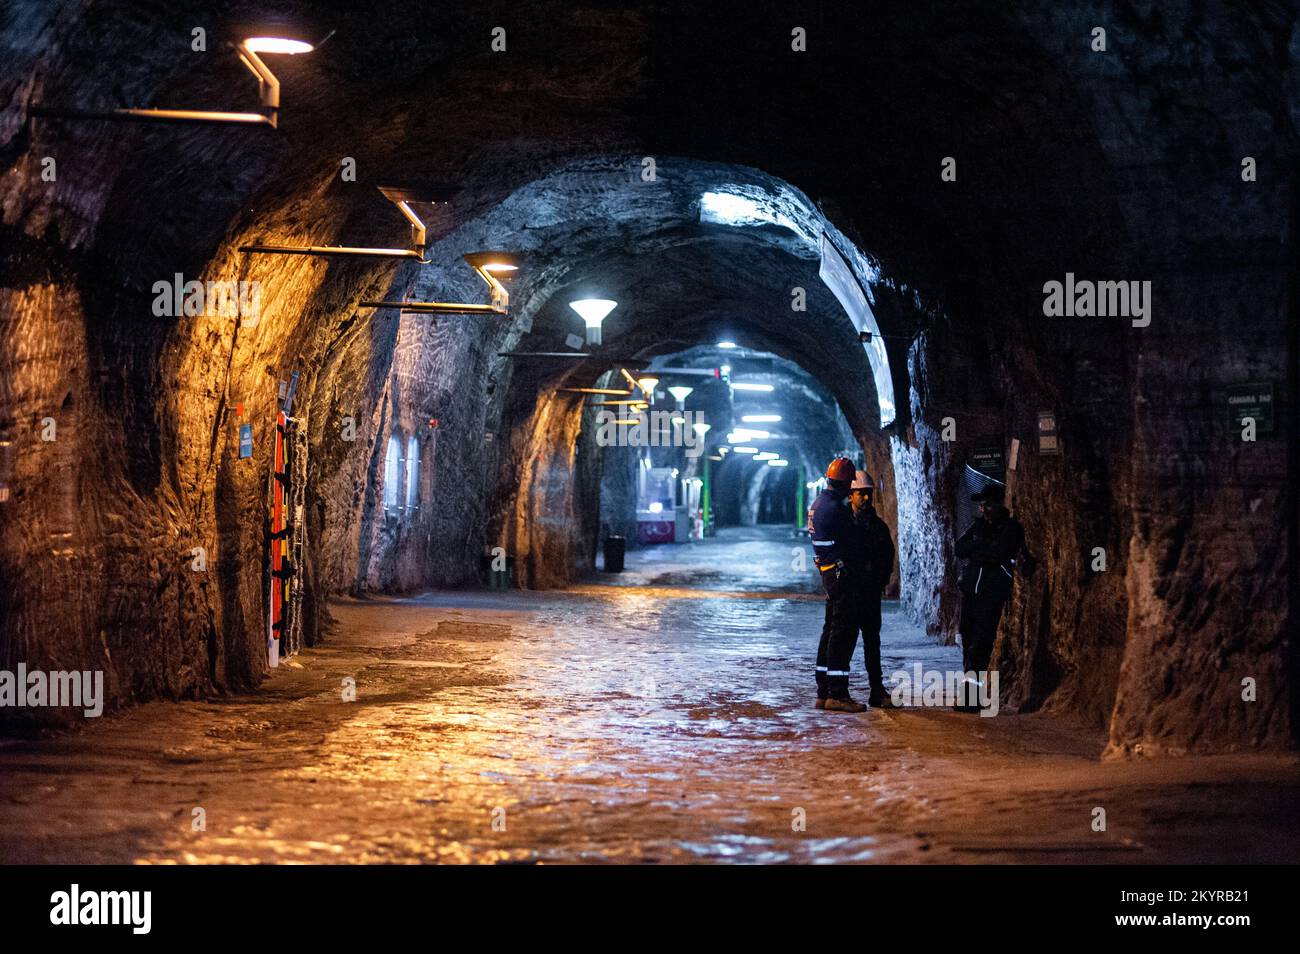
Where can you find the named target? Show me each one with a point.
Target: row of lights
(280, 38)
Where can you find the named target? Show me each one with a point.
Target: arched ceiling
(597, 229)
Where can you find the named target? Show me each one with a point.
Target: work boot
(879, 699)
(821, 703)
(844, 705)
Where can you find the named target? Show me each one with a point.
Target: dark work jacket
(876, 547)
(990, 549)
(830, 524)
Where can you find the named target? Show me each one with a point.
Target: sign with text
(989, 460)
(1254, 401)
(1049, 444)
(245, 440)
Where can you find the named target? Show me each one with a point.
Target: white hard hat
(862, 481)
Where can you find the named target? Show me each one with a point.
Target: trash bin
(615, 547)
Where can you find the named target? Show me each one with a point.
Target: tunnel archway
(1038, 142)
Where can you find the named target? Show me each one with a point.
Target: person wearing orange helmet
(837, 555)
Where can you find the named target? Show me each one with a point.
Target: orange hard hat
(841, 468)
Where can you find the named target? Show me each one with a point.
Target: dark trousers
(979, 629)
(869, 623)
(839, 634)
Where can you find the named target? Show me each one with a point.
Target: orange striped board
(279, 540)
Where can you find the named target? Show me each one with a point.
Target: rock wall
(1125, 164)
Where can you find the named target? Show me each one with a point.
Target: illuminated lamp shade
(491, 267)
(681, 393)
(593, 311)
(250, 42)
(648, 384)
(701, 428)
(278, 44)
(726, 344)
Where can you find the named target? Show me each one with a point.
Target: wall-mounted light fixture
(681, 393)
(489, 265)
(593, 311)
(278, 38)
(400, 196)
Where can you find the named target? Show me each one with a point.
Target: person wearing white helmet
(876, 559)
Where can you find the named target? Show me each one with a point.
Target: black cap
(992, 493)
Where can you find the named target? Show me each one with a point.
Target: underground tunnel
(477, 394)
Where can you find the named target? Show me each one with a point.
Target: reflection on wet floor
(660, 715)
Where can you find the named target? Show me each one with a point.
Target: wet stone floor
(662, 715)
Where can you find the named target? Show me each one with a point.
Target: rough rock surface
(1123, 165)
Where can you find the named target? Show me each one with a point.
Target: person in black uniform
(990, 547)
(877, 560)
(838, 559)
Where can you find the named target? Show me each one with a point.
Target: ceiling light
(278, 45)
(593, 311)
(701, 428)
(747, 206)
(766, 455)
(761, 418)
(746, 386)
(726, 344)
(648, 384)
(725, 370)
(400, 196)
(778, 463)
(486, 264)
(839, 277)
(275, 38)
(750, 434)
(681, 393)
(745, 450)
